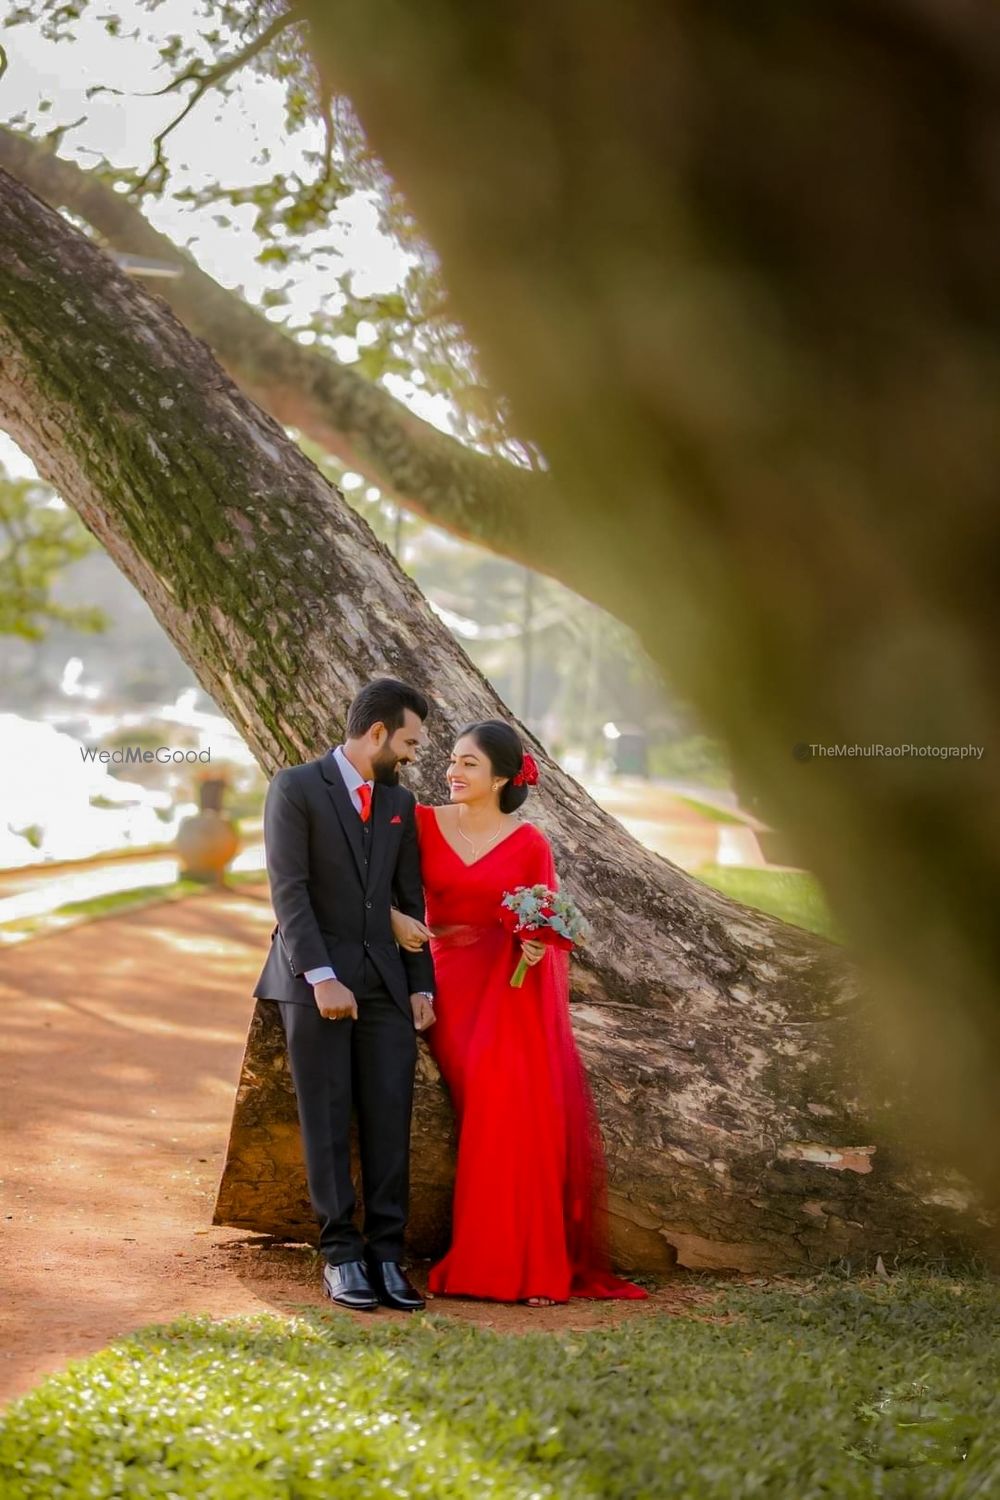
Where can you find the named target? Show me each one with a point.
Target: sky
(121, 127)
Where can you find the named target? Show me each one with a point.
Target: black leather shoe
(392, 1286)
(348, 1284)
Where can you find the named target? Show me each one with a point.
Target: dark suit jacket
(331, 904)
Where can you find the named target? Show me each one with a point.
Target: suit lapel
(382, 801)
(345, 810)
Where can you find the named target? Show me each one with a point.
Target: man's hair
(384, 701)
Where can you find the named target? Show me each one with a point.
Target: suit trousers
(367, 1065)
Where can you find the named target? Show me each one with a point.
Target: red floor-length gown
(530, 1202)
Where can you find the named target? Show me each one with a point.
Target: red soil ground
(122, 1047)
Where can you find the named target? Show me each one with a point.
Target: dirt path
(122, 1047)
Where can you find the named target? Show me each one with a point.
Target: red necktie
(365, 793)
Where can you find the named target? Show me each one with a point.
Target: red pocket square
(396, 819)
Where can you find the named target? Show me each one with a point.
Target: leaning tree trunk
(726, 1048)
(736, 269)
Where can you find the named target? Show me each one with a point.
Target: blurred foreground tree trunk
(736, 268)
(727, 1050)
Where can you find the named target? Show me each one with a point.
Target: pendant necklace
(477, 853)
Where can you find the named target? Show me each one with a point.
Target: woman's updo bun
(503, 749)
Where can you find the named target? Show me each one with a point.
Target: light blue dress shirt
(352, 780)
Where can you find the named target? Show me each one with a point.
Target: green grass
(114, 902)
(246, 877)
(793, 895)
(708, 810)
(106, 905)
(696, 758)
(840, 1391)
(140, 895)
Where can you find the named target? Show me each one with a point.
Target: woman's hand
(408, 932)
(533, 952)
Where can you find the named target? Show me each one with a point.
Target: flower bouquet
(541, 915)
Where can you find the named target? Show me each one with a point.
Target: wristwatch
(425, 995)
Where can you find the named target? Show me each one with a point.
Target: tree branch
(204, 79)
(481, 499)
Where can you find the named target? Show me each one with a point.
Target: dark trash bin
(630, 753)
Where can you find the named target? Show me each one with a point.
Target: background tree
(39, 537)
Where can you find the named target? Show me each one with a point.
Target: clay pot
(206, 843)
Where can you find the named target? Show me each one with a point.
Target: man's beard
(385, 768)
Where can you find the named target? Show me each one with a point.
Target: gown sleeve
(542, 862)
(408, 896)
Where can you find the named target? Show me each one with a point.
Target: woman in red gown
(529, 1207)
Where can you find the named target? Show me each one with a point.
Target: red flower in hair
(528, 774)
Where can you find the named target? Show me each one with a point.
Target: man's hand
(408, 932)
(335, 1001)
(423, 1012)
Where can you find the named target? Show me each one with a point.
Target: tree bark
(736, 270)
(474, 496)
(727, 1050)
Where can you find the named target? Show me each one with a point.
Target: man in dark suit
(341, 844)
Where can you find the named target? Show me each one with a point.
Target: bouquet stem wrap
(520, 973)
